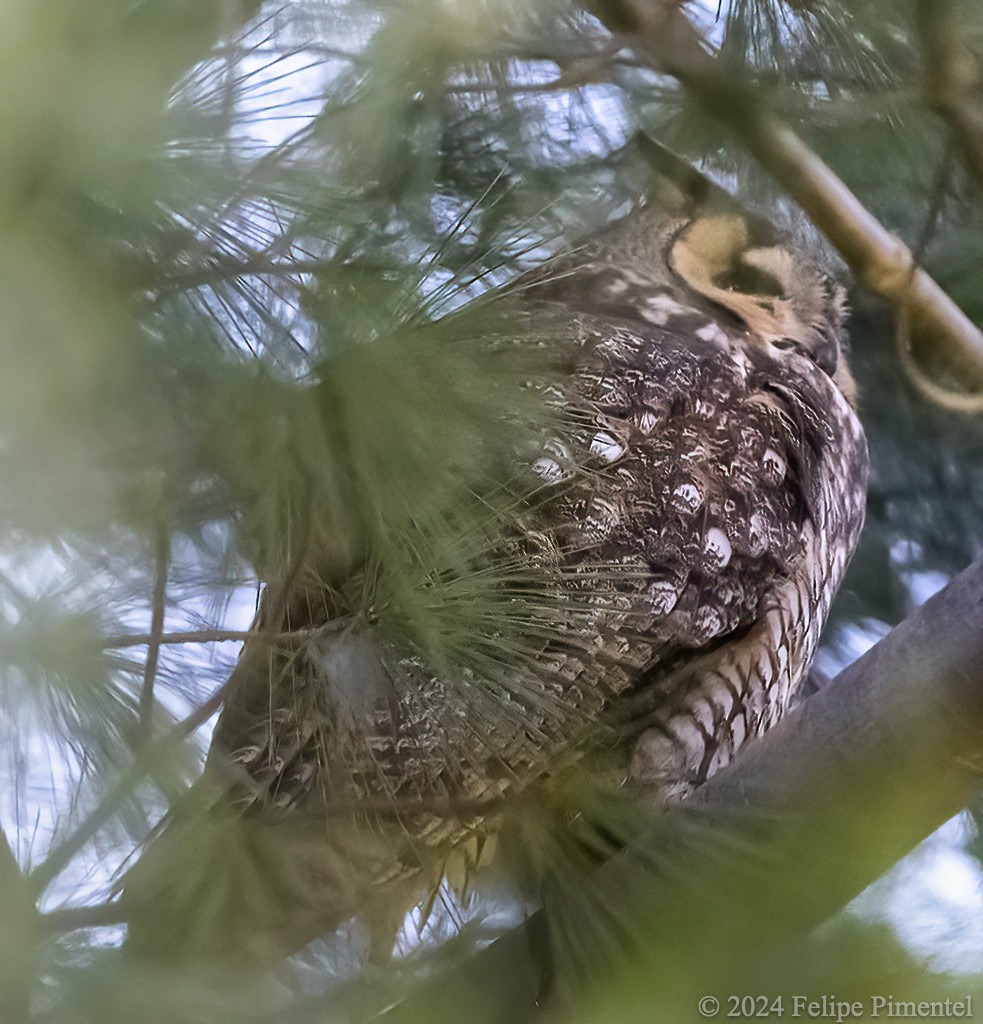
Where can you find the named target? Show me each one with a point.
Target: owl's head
(739, 262)
(692, 244)
(790, 306)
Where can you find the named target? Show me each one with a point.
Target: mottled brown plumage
(691, 517)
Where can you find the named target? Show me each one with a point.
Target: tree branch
(209, 636)
(805, 819)
(18, 937)
(158, 604)
(189, 636)
(659, 30)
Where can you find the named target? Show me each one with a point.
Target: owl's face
(792, 309)
(692, 253)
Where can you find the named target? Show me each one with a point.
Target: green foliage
(240, 280)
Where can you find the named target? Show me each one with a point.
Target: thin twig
(218, 269)
(954, 401)
(162, 558)
(191, 636)
(205, 636)
(933, 216)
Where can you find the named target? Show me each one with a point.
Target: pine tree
(244, 248)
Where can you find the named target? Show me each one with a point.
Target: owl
(682, 527)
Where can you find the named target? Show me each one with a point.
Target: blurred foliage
(234, 241)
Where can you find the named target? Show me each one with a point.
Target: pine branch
(162, 558)
(805, 819)
(158, 751)
(659, 30)
(190, 636)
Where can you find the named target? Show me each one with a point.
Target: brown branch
(659, 30)
(951, 73)
(190, 636)
(804, 820)
(162, 557)
(208, 636)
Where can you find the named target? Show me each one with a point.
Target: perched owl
(682, 530)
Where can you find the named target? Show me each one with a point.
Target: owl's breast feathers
(737, 486)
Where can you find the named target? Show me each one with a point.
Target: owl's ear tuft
(675, 184)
